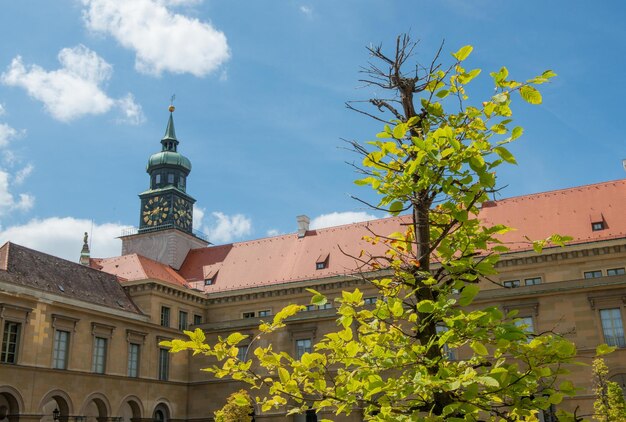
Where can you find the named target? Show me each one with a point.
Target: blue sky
(260, 90)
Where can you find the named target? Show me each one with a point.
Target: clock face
(182, 213)
(155, 211)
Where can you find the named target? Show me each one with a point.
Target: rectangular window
(99, 355)
(265, 313)
(61, 346)
(612, 327)
(242, 353)
(10, 340)
(197, 319)
(448, 353)
(248, 315)
(311, 308)
(615, 271)
(157, 179)
(533, 281)
(597, 226)
(511, 284)
(208, 281)
(593, 274)
(370, 300)
(133, 360)
(170, 178)
(303, 346)
(182, 320)
(165, 316)
(327, 305)
(320, 265)
(164, 364)
(525, 323)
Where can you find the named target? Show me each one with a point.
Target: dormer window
(322, 261)
(208, 281)
(597, 226)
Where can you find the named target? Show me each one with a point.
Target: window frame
(248, 314)
(197, 319)
(163, 364)
(616, 271)
(620, 340)
(99, 355)
(166, 316)
(592, 274)
(67, 325)
(6, 355)
(183, 320)
(512, 284)
(56, 359)
(527, 279)
(308, 349)
(133, 366)
(264, 313)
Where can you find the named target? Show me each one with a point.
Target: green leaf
(318, 298)
(604, 349)
(479, 348)
(468, 293)
(505, 154)
(396, 207)
(463, 53)
(426, 306)
(517, 132)
(235, 338)
(530, 94)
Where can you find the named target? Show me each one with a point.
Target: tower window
(170, 178)
(157, 179)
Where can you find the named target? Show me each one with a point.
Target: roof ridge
(4, 256)
(572, 188)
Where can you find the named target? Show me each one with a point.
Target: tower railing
(128, 231)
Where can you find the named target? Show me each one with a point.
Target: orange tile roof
(567, 212)
(136, 267)
(287, 258)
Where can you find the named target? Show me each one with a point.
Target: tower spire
(84, 253)
(169, 140)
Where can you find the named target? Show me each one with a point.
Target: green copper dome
(168, 158)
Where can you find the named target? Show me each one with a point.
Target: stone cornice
(288, 289)
(580, 250)
(166, 289)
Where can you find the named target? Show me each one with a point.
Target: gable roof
(137, 267)
(30, 268)
(289, 258)
(566, 212)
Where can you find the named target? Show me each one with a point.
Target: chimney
(303, 225)
(84, 253)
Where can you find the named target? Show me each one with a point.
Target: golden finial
(171, 107)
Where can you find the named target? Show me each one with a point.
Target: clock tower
(165, 231)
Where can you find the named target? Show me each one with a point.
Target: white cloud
(72, 91)
(63, 237)
(339, 218)
(198, 217)
(23, 174)
(132, 112)
(227, 228)
(8, 201)
(273, 232)
(2, 110)
(307, 10)
(7, 134)
(162, 40)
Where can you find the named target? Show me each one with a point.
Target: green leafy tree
(238, 408)
(435, 163)
(609, 405)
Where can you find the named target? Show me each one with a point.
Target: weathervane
(172, 108)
